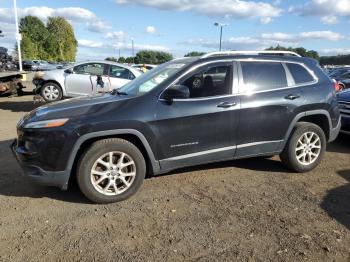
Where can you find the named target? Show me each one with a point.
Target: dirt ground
(246, 210)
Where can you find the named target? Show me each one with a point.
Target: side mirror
(69, 71)
(176, 92)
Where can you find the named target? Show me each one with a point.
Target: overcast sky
(178, 26)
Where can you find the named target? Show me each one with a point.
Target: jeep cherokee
(189, 111)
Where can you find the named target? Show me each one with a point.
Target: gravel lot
(246, 210)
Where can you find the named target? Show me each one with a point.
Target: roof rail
(283, 53)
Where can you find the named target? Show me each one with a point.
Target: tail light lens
(336, 86)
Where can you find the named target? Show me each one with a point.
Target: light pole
(221, 26)
(133, 50)
(18, 37)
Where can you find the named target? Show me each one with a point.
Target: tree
(111, 58)
(121, 60)
(55, 42)
(335, 60)
(300, 50)
(152, 57)
(62, 37)
(28, 49)
(194, 53)
(34, 34)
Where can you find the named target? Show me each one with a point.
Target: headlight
(47, 123)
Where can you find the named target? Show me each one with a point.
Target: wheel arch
(317, 117)
(133, 136)
(50, 81)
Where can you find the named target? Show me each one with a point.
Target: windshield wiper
(119, 93)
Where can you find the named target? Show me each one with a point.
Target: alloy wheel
(308, 148)
(113, 173)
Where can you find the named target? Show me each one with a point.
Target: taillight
(336, 86)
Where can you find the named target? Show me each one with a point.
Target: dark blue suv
(190, 111)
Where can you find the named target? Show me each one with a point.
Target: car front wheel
(51, 92)
(111, 170)
(305, 148)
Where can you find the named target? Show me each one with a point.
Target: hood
(344, 95)
(75, 106)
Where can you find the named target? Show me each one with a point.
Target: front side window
(262, 76)
(213, 81)
(89, 69)
(120, 72)
(299, 73)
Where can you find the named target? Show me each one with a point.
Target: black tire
(97, 150)
(49, 87)
(289, 155)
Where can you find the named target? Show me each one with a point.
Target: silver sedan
(83, 79)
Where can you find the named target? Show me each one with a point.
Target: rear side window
(299, 73)
(261, 76)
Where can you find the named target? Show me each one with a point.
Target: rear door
(83, 80)
(270, 100)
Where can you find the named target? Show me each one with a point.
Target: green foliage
(129, 60)
(300, 50)
(194, 53)
(122, 60)
(335, 60)
(111, 58)
(53, 42)
(62, 36)
(152, 57)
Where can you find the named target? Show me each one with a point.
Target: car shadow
(340, 145)
(19, 106)
(337, 201)
(255, 164)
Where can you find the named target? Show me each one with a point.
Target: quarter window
(89, 69)
(213, 81)
(299, 73)
(261, 76)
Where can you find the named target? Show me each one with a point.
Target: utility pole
(133, 50)
(18, 37)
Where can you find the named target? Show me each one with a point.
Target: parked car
(344, 106)
(343, 79)
(28, 65)
(40, 65)
(190, 111)
(83, 79)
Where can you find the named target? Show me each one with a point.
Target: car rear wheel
(111, 170)
(51, 92)
(305, 148)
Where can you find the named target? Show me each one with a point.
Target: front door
(203, 127)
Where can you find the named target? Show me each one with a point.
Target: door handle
(291, 97)
(227, 104)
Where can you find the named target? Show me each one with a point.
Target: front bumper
(50, 178)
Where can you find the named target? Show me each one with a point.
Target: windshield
(152, 78)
